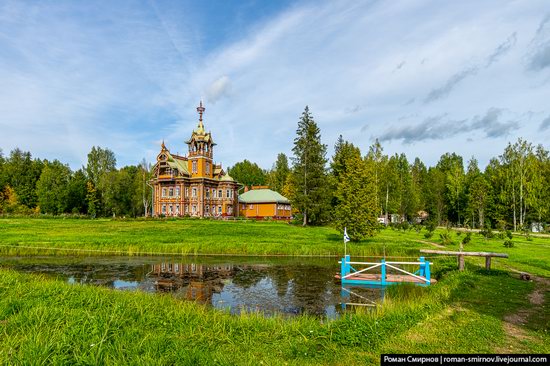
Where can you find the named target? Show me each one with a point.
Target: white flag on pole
(346, 237)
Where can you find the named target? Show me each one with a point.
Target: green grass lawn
(188, 237)
(47, 321)
(24, 236)
(44, 321)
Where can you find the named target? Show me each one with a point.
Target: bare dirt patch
(514, 323)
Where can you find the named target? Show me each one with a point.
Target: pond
(287, 286)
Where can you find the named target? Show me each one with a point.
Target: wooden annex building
(193, 185)
(260, 202)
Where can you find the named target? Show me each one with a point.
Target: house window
(195, 166)
(194, 192)
(194, 209)
(177, 209)
(220, 194)
(227, 194)
(186, 209)
(214, 193)
(207, 167)
(250, 207)
(177, 191)
(220, 210)
(207, 209)
(171, 192)
(164, 192)
(230, 209)
(186, 192)
(163, 209)
(176, 267)
(207, 192)
(170, 209)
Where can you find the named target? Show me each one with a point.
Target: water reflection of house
(198, 282)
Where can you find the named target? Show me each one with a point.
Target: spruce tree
(357, 207)
(309, 179)
(343, 151)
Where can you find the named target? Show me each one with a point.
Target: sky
(423, 77)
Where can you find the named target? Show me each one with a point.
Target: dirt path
(429, 242)
(514, 323)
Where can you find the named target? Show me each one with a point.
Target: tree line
(351, 189)
(355, 189)
(30, 186)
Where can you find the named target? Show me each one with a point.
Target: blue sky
(425, 77)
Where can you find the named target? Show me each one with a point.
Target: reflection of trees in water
(312, 289)
(287, 288)
(104, 274)
(248, 276)
(280, 277)
(303, 288)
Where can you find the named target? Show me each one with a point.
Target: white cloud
(127, 77)
(218, 89)
(339, 57)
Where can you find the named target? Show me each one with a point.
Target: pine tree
(309, 179)
(343, 151)
(357, 207)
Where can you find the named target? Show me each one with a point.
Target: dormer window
(162, 157)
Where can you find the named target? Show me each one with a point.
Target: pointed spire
(163, 147)
(200, 109)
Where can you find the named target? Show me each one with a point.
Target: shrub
(467, 238)
(428, 234)
(509, 234)
(430, 226)
(446, 238)
(487, 233)
(508, 243)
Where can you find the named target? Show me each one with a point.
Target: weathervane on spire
(201, 110)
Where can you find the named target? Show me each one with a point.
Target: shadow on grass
(494, 292)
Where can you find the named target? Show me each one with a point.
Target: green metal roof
(262, 195)
(226, 178)
(176, 163)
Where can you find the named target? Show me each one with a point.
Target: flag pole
(346, 239)
(345, 247)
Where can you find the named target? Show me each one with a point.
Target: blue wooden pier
(389, 273)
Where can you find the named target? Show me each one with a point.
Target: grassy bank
(185, 237)
(45, 321)
(27, 236)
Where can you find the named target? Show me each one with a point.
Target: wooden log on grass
(470, 254)
(460, 256)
